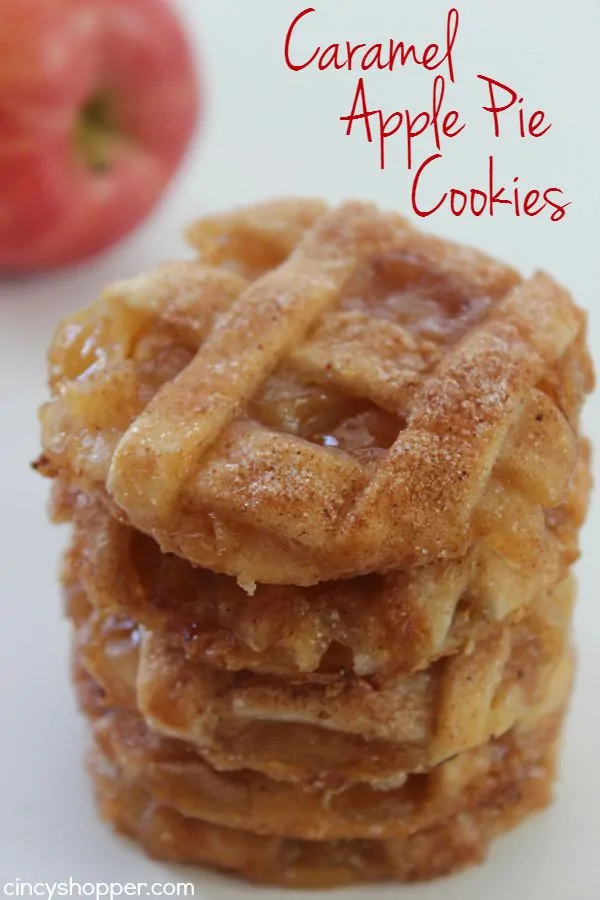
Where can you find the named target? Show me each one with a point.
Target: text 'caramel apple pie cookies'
(321, 395)
(325, 485)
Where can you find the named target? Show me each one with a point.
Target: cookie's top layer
(323, 394)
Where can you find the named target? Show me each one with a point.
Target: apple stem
(95, 131)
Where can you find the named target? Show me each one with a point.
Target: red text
(384, 126)
(489, 197)
(503, 98)
(389, 55)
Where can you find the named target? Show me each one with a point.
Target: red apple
(98, 101)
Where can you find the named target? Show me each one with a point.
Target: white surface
(269, 131)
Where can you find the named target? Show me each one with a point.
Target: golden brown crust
(256, 239)
(174, 775)
(515, 787)
(207, 404)
(344, 732)
(372, 625)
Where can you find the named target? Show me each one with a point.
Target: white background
(268, 131)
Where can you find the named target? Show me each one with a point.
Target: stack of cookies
(326, 483)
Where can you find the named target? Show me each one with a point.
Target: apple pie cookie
(177, 777)
(517, 783)
(325, 483)
(352, 730)
(377, 399)
(372, 625)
